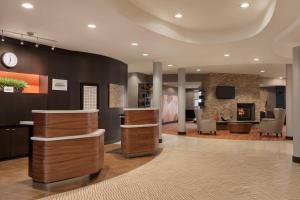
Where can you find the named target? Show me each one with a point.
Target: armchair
(273, 125)
(204, 125)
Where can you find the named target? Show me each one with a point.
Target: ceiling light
(198, 70)
(53, 48)
(37, 45)
(226, 55)
(21, 42)
(244, 5)
(134, 44)
(256, 59)
(280, 77)
(2, 36)
(92, 26)
(262, 71)
(27, 5)
(145, 54)
(178, 16)
(170, 65)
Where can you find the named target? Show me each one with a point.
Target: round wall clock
(9, 59)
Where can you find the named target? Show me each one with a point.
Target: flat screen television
(225, 92)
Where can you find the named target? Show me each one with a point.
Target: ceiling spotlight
(178, 16)
(170, 65)
(244, 5)
(21, 41)
(198, 70)
(226, 55)
(37, 45)
(2, 36)
(134, 44)
(262, 71)
(92, 26)
(280, 77)
(145, 54)
(53, 48)
(256, 59)
(27, 5)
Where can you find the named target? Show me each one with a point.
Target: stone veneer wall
(247, 90)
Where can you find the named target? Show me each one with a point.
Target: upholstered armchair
(204, 125)
(273, 125)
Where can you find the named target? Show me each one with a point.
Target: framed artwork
(116, 96)
(60, 84)
(89, 96)
(170, 108)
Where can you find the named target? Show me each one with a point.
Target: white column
(296, 105)
(181, 101)
(289, 101)
(157, 93)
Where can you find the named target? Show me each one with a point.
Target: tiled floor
(16, 184)
(191, 131)
(192, 168)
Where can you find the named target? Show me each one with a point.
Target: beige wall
(246, 90)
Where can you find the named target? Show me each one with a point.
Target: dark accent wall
(76, 67)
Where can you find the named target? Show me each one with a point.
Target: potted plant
(18, 85)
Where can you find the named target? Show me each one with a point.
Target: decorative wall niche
(33, 83)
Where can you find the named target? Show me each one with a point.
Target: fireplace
(245, 111)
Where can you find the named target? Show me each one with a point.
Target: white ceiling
(268, 29)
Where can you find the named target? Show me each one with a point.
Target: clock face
(9, 59)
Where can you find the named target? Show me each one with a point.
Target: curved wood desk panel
(64, 123)
(139, 141)
(140, 116)
(140, 132)
(56, 159)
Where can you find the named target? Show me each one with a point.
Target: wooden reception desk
(65, 144)
(139, 132)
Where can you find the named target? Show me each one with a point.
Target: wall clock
(9, 59)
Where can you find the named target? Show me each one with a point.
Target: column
(181, 102)
(157, 93)
(289, 102)
(296, 105)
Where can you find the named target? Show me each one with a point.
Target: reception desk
(139, 132)
(65, 144)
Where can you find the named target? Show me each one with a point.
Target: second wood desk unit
(139, 132)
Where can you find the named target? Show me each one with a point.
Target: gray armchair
(273, 125)
(204, 125)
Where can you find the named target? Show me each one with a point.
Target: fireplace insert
(245, 111)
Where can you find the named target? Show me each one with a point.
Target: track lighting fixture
(30, 37)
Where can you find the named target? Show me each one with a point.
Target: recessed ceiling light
(27, 5)
(134, 44)
(145, 54)
(256, 59)
(198, 70)
(92, 26)
(226, 55)
(262, 71)
(170, 65)
(244, 5)
(280, 77)
(178, 16)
